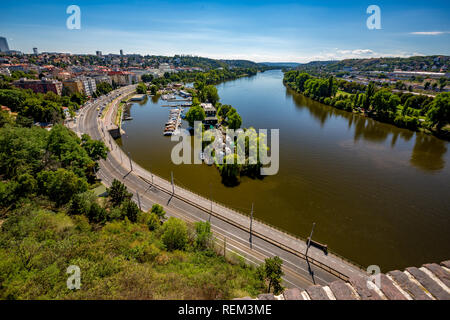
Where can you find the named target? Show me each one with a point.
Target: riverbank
(419, 113)
(267, 241)
(369, 186)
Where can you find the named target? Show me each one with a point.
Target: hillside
(418, 63)
(281, 64)
(51, 218)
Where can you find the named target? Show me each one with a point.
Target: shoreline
(440, 135)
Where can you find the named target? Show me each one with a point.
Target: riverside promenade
(231, 226)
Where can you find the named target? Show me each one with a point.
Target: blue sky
(297, 31)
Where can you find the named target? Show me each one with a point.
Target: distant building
(98, 53)
(5, 72)
(122, 78)
(73, 85)
(165, 67)
(102, 78)
(210, 113)
(89, 86)
(35, 51)
(81, 85)
(40, 86)
(61, 74)
(398, 74)
(3, 45)
(121, 52)
(17, 67)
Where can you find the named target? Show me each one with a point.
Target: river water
(379, 195)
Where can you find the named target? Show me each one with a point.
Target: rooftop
(208, 107)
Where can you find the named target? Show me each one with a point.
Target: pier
(174, 122)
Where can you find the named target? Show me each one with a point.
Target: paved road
(225, 223)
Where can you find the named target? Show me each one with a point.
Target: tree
(370, 91)
(301, 80)
(211, 94)
(97, 213)
(103, 88)
(203, 235)
(439, 112)
(271, 271)
(81, 203)
(159, 211)
(384, 101)
(234, 121)
(118, 193)
(195, 113)
(26, 185)
(130, 210)
(153, 90)
(78, 98)
(60, 185)
(153, 222)
(96, 149)
(65, 146)
(332, 88)
(223, 110)
(141, 88)
(147, 78)
(442, 83)
(174, 234)
(23, 121)
(5, 118)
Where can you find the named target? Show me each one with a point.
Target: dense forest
(415, 112)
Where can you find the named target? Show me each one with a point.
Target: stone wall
(430, 282)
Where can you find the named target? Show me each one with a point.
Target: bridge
(228, 225)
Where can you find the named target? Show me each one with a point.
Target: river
(379, 195)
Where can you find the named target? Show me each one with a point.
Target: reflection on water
(428, 153)
(379, 194)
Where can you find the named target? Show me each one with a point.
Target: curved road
(148, 189)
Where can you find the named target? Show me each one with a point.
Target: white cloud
(429, 33)
(356, 52)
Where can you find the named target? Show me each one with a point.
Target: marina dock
(174, 122)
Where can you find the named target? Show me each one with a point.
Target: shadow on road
(127, 174)
(311, 272)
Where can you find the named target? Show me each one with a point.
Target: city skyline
(284, 31)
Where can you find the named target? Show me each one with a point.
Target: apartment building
(40, 86)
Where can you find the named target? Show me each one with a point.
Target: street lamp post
(309, 240)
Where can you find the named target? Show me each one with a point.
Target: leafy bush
(174, 234)
(203, 235)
